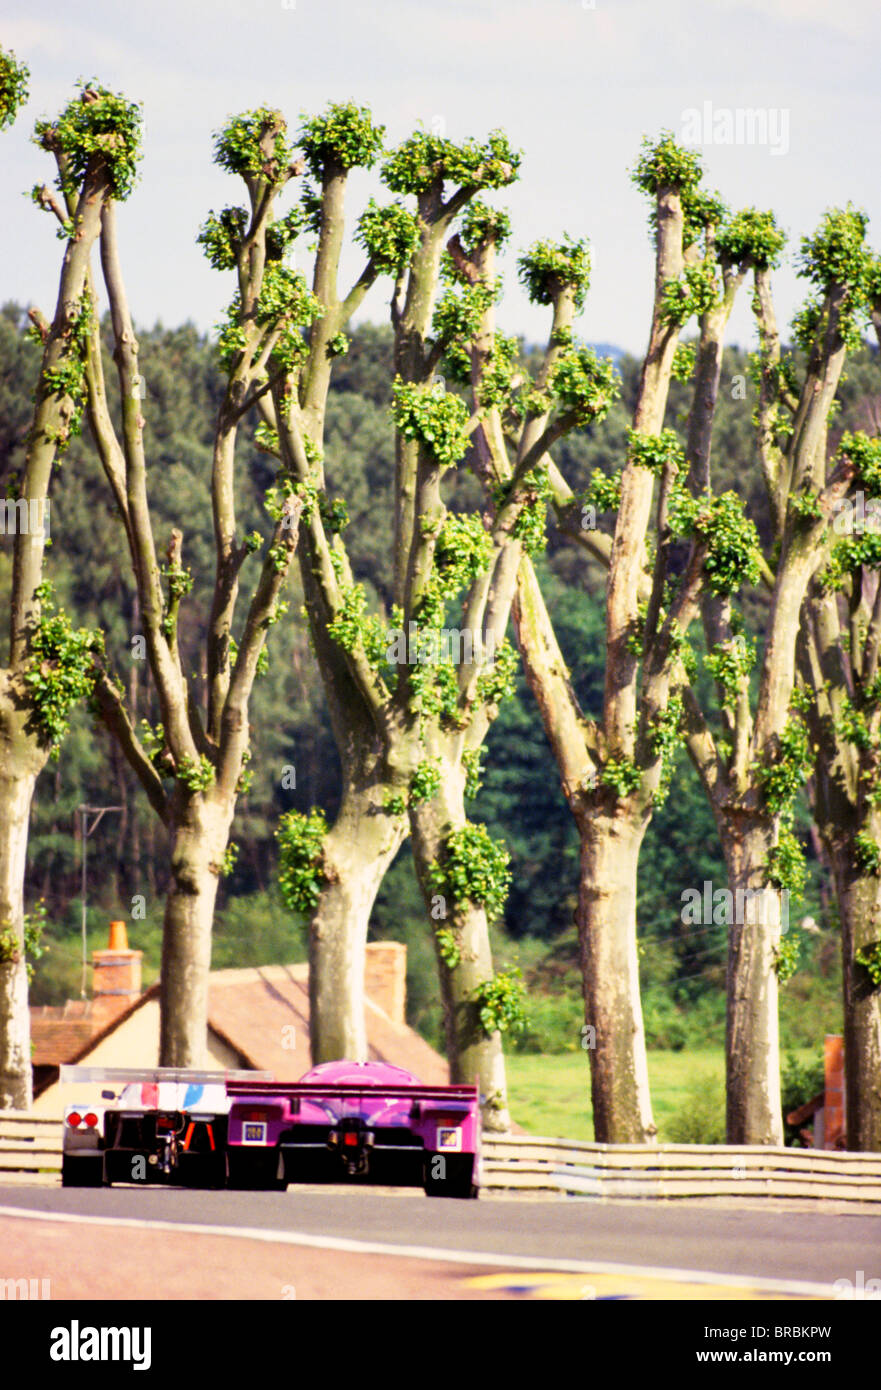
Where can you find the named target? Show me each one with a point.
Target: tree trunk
(622, 1107)
(199, 837)
(859, 903)
(475, 1058)
(358, 851)
(16, 792)
(752, 1032)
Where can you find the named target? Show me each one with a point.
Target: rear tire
(251, 1172)
(83, 1170)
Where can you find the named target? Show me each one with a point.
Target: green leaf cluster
(867, 853)
(751, 238)
(498, 683)
(700, 210)
(389, 235)
(530, 526)
(462, 551)
(96, 123)
(694, 293)
(787, 956)
(471, 761)
(60, 669)
(457, 319)
(664, 163)
(495, 385)
(221, 235)
(786, 769)
(584, 385)
(254, 143)
(482, 224)
(425, 160)
(603, 492)
(684, 359)
(474, 867)
(32, 945)
(870, 958)
(621, 774)
(344, 136)
(13, 87)
(787, 867)
(300, 854)
(864, 452)
(434, 417)
(196, 774)
(655, 451)
(731, 538)
(728, 663)
(665, 738)
(425, 780)
(549, 267)
(501, 1001)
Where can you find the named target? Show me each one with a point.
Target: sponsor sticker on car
(449, 1138)
(254, 1132)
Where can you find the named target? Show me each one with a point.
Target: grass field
(551, 1095)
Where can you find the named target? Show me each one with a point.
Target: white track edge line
(756, 1283)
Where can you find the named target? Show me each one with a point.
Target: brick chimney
(385, 977)
(117, 974)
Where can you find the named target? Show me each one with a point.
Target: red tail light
(91, 1119)
(74, 1119)
(255, 1115)
(350, 1137)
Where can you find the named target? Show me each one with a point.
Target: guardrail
(609, 1171)
(30, 1148)
(30, 1152)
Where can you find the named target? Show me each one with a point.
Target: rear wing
(317, 1090)
(180, 1075)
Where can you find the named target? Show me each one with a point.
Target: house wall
(385, 977)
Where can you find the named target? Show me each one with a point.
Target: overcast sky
(574, 84)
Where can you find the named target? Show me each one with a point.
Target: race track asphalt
(749, 1242)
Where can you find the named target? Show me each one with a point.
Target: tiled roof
(264, 1014)
(61, 1033)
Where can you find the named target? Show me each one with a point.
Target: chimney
(117, 977)
(385, 977)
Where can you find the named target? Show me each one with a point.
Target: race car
(167, 1125)
(357, 1122)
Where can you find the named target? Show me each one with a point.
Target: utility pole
(98, 812)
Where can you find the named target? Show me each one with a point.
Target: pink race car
(359, 1122)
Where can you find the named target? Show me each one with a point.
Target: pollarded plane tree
(839, 654)
(753, 766)
(193, 765)
(399, 683)
(462, 872)
(616, 767)
(49, 663)
(332, 874)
